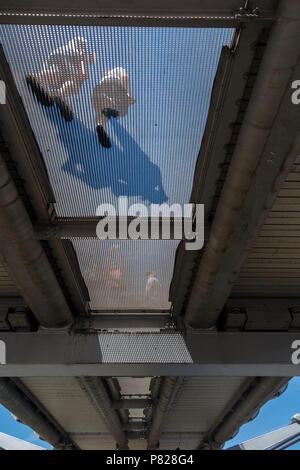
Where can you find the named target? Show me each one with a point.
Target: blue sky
(274, 414)
(10, 426)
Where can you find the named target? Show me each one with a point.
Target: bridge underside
(89, 366)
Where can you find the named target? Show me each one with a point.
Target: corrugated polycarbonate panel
(154, 141)
(134, 386)
(186, 441)
(273, 265)
(136, 444)
(67, 403)
(90, 441)
(199, 402)
(101, 442)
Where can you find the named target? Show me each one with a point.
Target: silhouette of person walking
(111, 98)
(63, 74)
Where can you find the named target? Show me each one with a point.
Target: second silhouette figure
(111, 98)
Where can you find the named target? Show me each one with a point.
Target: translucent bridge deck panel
(126, 286)
(154, 147)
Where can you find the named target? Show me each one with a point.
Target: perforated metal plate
(144, 348)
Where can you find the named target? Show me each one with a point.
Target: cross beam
(170, 228)
(206, 13)
(150, 354)
(130, 403)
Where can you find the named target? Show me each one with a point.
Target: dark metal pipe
(14, 400)
(114, 391)
(167, 394)
(26, 260)
(271, 85)
(97, 393)
(259, 393)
